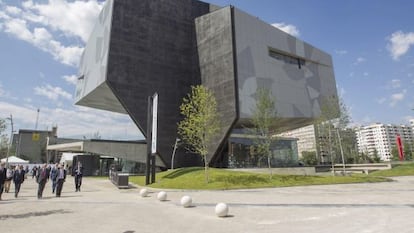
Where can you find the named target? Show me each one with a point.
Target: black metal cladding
(153, 49)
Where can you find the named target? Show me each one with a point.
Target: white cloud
(365, 74)
(42, 39)
(341, 52)
(381, 100)
(71, 79)
(2, 92)
(73, 122)
(360, 60)
(13, 10)
(40, 23)
(400, 43)
(52, 93)
(63, 15)
(395, 83)
(288, 28)
(367, 120)
(397, 97)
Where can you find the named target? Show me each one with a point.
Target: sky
(41, 41)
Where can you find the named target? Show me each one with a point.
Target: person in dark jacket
(2, 177)
(18, 179)
(42, 177)
(78, 173)
(53, 176)
(60, 179)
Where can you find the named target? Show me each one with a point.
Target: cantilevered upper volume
(239, 53)
(141, 47)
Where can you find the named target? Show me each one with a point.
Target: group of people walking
(16, 175)
(44, 173)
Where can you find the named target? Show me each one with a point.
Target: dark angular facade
(141, 47)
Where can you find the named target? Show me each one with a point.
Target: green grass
(220, 179)
(397, 170)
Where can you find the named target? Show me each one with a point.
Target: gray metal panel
(298, 91)
(91, 88)
(215, 50)
(153, 49)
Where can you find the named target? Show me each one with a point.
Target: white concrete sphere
(162, 196)
(222, 209)
(143, 192)
(186, 201)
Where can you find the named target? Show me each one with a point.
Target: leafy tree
(335, 115)
(394, 153)
(408, 151)
(375, 156)
(264, 122)
(3, 138)
(201, 122)
(309, 158)
(329, 111)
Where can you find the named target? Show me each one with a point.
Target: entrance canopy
(14, 160)
(129, 150)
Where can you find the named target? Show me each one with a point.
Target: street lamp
(173, 154)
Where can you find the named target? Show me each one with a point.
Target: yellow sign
(35, 137)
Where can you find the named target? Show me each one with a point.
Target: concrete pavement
(101, 207)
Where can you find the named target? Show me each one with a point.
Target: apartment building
(382, 138)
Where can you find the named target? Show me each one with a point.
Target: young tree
(3, 138)
(394, 154)
(375, 156)
(309, 158)
(333, 108)
(407, 151)
(201, 122)
(264, 122)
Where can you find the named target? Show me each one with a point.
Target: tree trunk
(206, 169)
(268, 164)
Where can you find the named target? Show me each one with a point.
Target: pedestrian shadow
(34, 214)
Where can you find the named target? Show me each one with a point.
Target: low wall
(281, 171)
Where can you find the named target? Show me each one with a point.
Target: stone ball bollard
(162, 196)
(222, 210)
(143, 192)
(186, 201)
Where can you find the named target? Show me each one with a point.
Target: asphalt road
(101, 207)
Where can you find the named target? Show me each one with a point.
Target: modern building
(139, 48)
(306, 136)
(382, 138)
(31, 144)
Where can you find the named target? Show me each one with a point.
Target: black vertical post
(149, 136)
(153, 168)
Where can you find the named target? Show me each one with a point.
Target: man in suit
(18, 179)
(78, 172)
(60, 179)
(2, 177)
(53, 177)
(42, 177)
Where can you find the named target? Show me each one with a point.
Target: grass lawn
(220, 179)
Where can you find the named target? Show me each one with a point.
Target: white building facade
(382, 138)
(306, 138)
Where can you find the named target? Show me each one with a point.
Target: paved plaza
(101, 207)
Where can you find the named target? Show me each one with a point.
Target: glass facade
(243, 153)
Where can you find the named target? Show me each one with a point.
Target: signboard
(154, 123)
(35, 137)
(400, 149)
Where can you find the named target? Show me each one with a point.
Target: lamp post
(173, 154)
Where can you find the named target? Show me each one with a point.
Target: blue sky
(371, 43)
